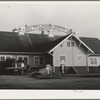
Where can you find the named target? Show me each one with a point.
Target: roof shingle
(93, 43)
(13, 42)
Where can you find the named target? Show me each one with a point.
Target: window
(93, 61)
(8, 57)
(79, 57)
(20, 59)
(39, 60)
(70, 44)
(61, 45)
(4, 57)
(62, 57)
(24, 59)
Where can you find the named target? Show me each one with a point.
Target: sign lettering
(44, 27)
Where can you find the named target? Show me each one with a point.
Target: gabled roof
(93, 43)
(46, 47)
(69, 35)
(13, 42)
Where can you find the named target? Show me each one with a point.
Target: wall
(94, 65)
(48, 59)
(30, 61)
(70, 53)
(94, 68)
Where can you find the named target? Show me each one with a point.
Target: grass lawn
(69, 82)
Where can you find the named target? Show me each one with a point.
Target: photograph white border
(49, 94)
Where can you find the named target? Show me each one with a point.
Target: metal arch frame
(46, 27)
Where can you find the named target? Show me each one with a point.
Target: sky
(83, 17)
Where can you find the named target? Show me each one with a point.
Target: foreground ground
(24, 82)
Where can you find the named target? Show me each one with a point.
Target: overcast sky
(82, 17)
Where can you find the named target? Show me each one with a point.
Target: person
(28, 67)
(62, 69)
(22, 64)
(16, 65)
(22, 67)
(48, 68)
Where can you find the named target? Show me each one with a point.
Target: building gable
(68, 36)
(71, 53)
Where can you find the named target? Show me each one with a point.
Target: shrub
(5, 64)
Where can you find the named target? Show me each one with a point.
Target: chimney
(21, 31)
(42, 32)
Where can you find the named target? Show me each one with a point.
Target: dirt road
(24, 82)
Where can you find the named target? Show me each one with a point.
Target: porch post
(87, 61)
(53, 67)
(53, 64)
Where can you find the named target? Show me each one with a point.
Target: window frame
(62, 55)
(5, 57)
(69, 43)
(72, 44)
(80, 59)
(23, 58)
(38, 60)
(2, 57)
(93, 60)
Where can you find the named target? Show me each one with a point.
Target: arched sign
(46, 27)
